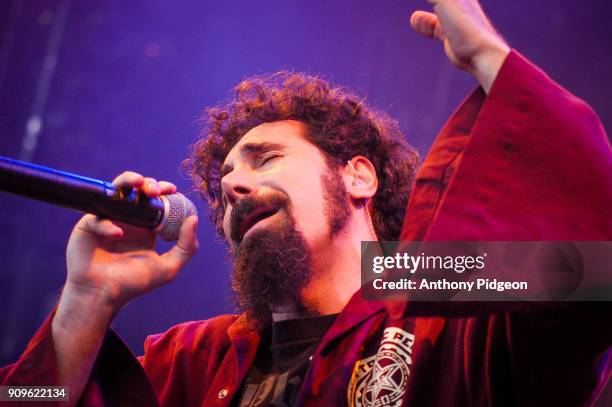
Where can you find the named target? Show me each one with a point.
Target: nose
(236, 185)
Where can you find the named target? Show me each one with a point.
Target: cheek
(309, 207)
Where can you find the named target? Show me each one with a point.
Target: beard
(274, 264)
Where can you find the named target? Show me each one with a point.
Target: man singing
(299, 172)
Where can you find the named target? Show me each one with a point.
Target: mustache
(273, 201)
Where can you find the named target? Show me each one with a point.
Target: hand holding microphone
(113, 253)
(110, 263)
(119, 261)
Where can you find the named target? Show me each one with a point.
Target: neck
(337, 267)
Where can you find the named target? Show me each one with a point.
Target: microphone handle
(81, 193)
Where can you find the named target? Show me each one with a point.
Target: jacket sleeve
(529, 161)
(117, 377)
(37, 365)
(178, 367)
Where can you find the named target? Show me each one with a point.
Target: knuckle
(130, 174)
(126, 177)
(151, 180)
(88, 223)
(88, 220)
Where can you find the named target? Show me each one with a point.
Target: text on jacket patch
(380, 380)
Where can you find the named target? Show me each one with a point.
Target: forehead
(287, 133)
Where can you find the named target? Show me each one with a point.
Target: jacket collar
(354, 313)
(244, 337)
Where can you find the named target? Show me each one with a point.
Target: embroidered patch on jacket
(380, 380)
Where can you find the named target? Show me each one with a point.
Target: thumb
(185, 247)
(427, 24)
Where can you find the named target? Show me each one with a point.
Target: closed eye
(266, 158)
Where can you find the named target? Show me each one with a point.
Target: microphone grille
(178, 208)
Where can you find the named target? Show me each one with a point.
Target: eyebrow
(252, 149)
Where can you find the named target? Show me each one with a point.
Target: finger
(427, 24)
(100, 227)
(185, 247)
(150, 187)
(166, 187)
(129, 179)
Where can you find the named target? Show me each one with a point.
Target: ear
(360, 178)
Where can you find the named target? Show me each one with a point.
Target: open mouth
(258, 214)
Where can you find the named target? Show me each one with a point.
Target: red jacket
(527, 162)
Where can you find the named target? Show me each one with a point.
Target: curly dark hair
(337, 122)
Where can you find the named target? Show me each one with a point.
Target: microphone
(164, 214)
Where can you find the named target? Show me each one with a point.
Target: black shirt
(282, 360)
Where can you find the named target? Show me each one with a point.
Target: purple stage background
(119, 85)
